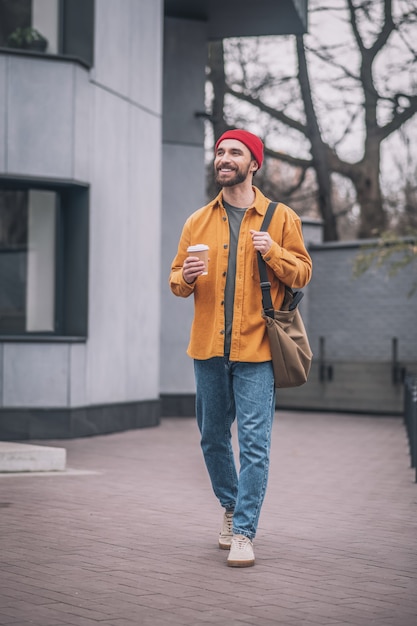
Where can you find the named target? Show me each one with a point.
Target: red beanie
(250, 140)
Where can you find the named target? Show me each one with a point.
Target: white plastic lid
(199, 247)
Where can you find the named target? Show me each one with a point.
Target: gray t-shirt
(235, 216)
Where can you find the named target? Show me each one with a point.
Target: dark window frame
(72, 252)
(75, 34)
(76, 30)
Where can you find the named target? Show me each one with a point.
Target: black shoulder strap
(265, 284)
(268, 215)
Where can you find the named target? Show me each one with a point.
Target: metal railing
(410, 416)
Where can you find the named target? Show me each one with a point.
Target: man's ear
(254, 166)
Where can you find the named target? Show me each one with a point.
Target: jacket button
(222, 332)
(225, 246)
(224, 273)
(222, 302)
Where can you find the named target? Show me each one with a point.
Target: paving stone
(130, 537)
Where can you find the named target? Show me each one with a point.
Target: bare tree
(369, 102)
(218, 80)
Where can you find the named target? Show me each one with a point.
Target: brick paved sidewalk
(134, 542)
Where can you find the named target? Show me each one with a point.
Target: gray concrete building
(101, 161)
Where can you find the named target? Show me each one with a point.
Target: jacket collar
(260, 203)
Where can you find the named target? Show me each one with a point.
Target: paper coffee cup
(201, 251)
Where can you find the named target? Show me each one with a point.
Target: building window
(77, 29)
(14, 15)
(63, 27)
(43, 261)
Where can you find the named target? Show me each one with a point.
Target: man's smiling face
(232, 163)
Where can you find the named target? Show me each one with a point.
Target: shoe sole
(241, 563)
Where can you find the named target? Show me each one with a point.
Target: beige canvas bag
(290, 348)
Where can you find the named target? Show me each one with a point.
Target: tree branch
(386, 30)
(399, 118)
(384, 34)
(354, 24)
(277, 115)
(327, 58)
(287, 158)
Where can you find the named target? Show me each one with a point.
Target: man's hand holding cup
(196, 264)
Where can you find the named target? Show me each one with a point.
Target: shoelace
(229, 523)
(241, 542)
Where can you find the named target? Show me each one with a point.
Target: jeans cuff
(245, 533)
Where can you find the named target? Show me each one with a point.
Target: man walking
(228, 342)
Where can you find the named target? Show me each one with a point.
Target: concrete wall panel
(40, 117)
(178, 201)
(185, 57)
(108, 232)
(35, 375)
(112, 45)
(145, 61)
(144, 256)
(123, 346)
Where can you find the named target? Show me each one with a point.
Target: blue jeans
(227, 390)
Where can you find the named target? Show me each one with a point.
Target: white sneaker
(241, 552)
(226, 533)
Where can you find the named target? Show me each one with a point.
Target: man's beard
(239, 177)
